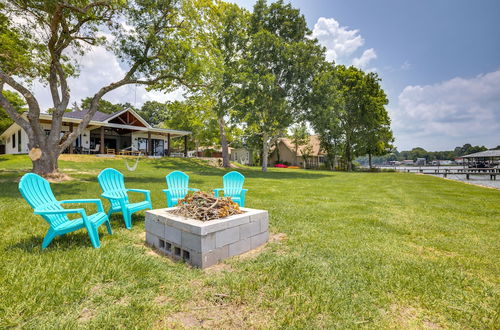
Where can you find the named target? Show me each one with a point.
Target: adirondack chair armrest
(98, 202)
(142, 191)
(65, 211)
(108, 196)
(193, 189)
(146, 193)
(216, 191)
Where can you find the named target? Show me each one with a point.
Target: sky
(439, 61)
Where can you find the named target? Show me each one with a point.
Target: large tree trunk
(370, 160)
(265, 152)
(47, 163)
(223, 142)
(348, 157)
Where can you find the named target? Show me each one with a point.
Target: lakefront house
(123, 132)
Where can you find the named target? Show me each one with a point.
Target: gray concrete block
(249, 229)
(264, 224)
(213, 257)
(239, 247)
(258, 240)
(173, 235)
(227, 236)
(258, 216)
(237, 220)
(152, 240)
(157, 228)
(191, 241)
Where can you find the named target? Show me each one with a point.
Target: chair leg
(48, 238)
(94, 237)
(108, 225)
(127, 218)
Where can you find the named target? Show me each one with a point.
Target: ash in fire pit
(204, 206)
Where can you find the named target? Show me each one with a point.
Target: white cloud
(342, 43)
(449, 114)
(365, 59)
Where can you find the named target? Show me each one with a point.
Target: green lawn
(369, 250)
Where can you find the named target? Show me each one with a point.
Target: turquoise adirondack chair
(37, 192)
(233, 187)
(113, 189)
(177, 183)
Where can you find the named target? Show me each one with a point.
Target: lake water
(479, 180)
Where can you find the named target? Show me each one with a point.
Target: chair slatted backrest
(178, 183)
(233, 183)
(113, 183)
(37, 192)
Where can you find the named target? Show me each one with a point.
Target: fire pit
(205, 243)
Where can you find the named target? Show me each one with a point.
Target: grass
(362, 250)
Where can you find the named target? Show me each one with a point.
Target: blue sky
(439, 61)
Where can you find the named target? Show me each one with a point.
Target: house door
(158, 147)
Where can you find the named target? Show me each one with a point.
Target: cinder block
(213, 257)
(239, 247)
(249, 229)
(204, 244)
(147, 222)
(173, 235)
(152, 240)
(191, 241)
(157, 228)
(237, 220)
(227, 236)
(264, 224)
(258, 240)
(258, 216)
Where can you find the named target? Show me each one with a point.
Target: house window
(19, 141)
(13, 140)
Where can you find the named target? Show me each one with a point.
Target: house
(284, 152)
(105, 134)
(240, 155)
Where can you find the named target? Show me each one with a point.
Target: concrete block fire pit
(205, 243)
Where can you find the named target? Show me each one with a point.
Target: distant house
(240, 155)
(420, 162)
(284, 152)
(407, 162)
(105, 133)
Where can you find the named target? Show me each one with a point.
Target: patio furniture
(37, 192)
(233, 187)
(110, 151)
(177, 183)
(113, 188)
(96, 149)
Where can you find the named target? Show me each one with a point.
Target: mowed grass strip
(385, 250)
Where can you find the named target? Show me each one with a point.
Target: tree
(376, 135)
(105, 106)
(299, 137)
(194, 114)
(154, 112)
(17, 103)
(278, 66)
(325, 110)
(152, 38)
(226, 35)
